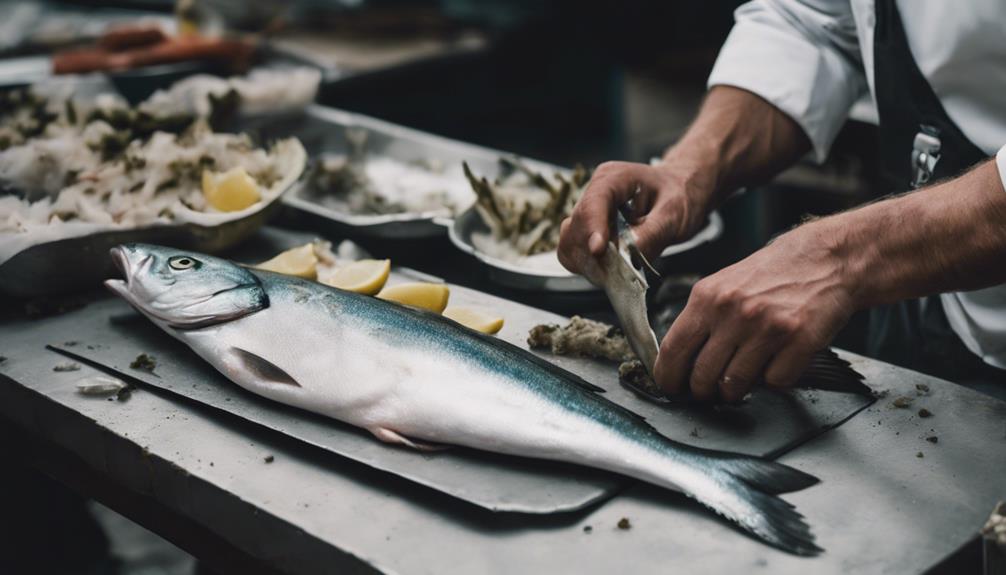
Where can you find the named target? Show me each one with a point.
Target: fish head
(185, 290)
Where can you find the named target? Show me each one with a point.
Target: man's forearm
(947, 237)
(737, 139)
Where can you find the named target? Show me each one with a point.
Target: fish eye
(182, 263)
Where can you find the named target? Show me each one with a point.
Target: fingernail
(735, 389)
(595, 243)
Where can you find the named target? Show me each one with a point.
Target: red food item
(235, 52)
(132, 36)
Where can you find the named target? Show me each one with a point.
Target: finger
(710, 364)
(787, 366)
(643, 201)
(613, 185)
(567, 262)
(664, 224)
(744, 370)
(678, 350)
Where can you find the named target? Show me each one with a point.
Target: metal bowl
(70, 264)
(402, 226)
(522, 277)
(322, 130)
(73, 264)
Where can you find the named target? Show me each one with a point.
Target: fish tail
(766, 475)
(768, 517)
(745, 491)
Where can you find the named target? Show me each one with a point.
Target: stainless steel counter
(889, 500)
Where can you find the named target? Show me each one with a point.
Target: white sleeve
(1001, 164)
(802, 56)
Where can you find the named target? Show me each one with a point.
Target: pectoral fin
(262, 368)
(388, 436)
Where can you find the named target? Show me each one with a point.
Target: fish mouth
(127, 268)
(119, 286)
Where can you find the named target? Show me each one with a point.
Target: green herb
(144, 362)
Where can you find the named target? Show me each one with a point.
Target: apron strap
(919, 141)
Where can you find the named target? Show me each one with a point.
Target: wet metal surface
(109, 333)
(116, 335)
(880, 507)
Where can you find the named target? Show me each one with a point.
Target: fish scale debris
(903, 402)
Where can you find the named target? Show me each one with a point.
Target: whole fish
(415, 378)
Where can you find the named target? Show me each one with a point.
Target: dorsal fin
(829, 372)
(262, 368)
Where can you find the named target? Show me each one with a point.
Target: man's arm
(765, 316)
(739, 138)
(948, 237)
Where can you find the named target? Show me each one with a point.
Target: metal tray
(111, 335)
(72, 264)
(516, 276)
(769, 424)
(322, 130)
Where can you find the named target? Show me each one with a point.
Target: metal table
(890, 500)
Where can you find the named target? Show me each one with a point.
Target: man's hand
(668, 207)
(760, 319)
(737, 139)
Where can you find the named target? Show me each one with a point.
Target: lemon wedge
(230, 191)
(363, 276)
(425, 295)
(300, 261)
(474, 319)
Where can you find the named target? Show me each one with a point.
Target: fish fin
(770, 518)
(744, 490)
(388, 436)
(762, 513)
(766, 475)
(829, 372)
(262, 368)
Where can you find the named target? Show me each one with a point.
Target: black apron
(918, 143)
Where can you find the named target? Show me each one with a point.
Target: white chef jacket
(814, 58)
